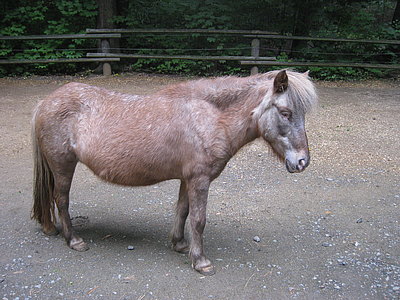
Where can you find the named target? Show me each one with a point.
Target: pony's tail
(43, 187)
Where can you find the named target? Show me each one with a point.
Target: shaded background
(317, 18)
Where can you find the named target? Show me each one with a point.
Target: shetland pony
(187, 131)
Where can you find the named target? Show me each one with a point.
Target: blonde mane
(224, 92)
(301, 90)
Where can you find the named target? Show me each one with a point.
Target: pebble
(131, 247)
(326, 244)
(341, 262)
(360, 220)
(257, 239)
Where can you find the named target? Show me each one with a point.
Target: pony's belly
(134, 176)
(135, 180)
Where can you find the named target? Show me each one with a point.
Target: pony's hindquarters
(43, 186)
(54, 165)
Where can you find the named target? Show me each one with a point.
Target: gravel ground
(331, 232)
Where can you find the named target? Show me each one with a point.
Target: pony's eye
(286, 114)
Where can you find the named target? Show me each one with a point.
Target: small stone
(341, 262)
(257, 239)
(360, 220)
(396, 288)
(329, 179)
(326, 244)
(131, 247)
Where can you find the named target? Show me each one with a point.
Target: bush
(25, 17)
(336, 19)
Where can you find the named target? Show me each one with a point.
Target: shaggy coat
(187, 131)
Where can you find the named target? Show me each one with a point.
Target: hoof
(50, 231)
(206, 271)
(181, 247)
(78, 245)
(204, 267)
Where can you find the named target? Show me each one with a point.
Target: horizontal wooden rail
(254, 60)
(56, 60)
(62, 36)
(319, 64)
(308, 38)
(187, 57)
(180, 31)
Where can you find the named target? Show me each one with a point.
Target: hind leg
(179, 243)
(49, 228)
(62, 185)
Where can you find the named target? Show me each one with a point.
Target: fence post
(255, 52)
(105, 48)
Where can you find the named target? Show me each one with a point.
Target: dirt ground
(331, 232)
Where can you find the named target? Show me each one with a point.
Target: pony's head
(280, 117)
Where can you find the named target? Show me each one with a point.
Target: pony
(187, 131)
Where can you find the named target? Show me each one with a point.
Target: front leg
(198, 194)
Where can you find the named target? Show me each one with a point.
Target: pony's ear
(281, 82)
(307, 73)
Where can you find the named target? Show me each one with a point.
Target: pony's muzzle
(298, 165)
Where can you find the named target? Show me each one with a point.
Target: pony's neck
(239, 124)
(240, 133)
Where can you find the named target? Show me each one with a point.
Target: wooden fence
(254, 59)
(101, 36)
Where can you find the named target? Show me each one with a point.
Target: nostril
(302, 162)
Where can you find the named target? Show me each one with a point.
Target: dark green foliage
(355, 19)
(38, 17)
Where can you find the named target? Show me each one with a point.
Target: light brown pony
(187, 131)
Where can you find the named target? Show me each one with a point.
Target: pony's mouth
(295, 168)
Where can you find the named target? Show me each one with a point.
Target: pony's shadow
(145, 234)
(140, 232)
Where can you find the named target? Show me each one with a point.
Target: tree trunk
(396, 15)
(304, 13)
(107, 10)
